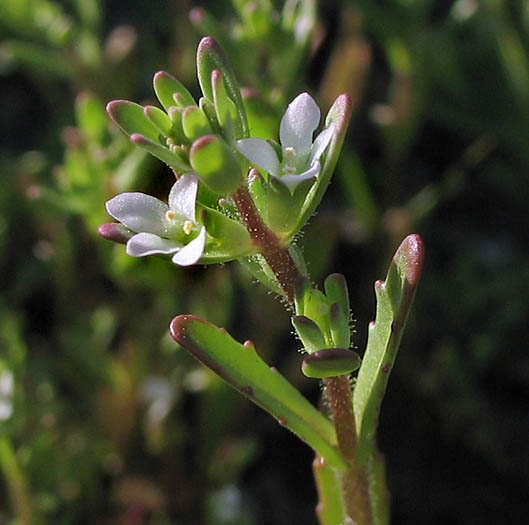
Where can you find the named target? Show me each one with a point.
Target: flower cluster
(209, 148)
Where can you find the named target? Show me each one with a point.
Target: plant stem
(354, 481)
(16, 484)
(268, 243)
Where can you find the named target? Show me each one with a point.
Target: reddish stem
(354, 480)
(268, 243)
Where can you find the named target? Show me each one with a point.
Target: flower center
(170, 215)
(188, 227)
(290, 152)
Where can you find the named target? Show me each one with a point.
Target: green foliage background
(111, 422)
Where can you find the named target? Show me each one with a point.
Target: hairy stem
(354, 480)
(268, 243)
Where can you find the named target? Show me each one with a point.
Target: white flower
(300, 156)
(162, 228)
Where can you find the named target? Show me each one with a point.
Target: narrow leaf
(394, 299)
(210, 56)
(164, 154)
(165, 87)
(241, 367)
(130, 117)
(330, 508)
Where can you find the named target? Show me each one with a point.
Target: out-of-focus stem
(16, 484)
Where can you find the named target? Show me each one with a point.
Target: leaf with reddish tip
(394, 299)
(243, 369)
(210, 57)
(131, 118)
(215, 164)
(331, 506)
(172, 159)
(166, 86)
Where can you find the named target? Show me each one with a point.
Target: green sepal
(230, 239)
(309, 333)
(394, 299)
(210, 56)
(165, 87)
(258, 267)
(160, 119)
(339, 327)
(317, 307)
(171, 158)
(241, 367)
(284, 204)
(338, 116)
(330, 362)
(336, 291)
(130, 117)
(216, 164)
(259, 192)
(302, 289)
(195, 123)
(279, 209)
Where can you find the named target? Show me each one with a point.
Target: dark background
(114, 424)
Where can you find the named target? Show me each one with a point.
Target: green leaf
(216, 164)
(241, 367)
(331, 509)
(210, 56)
(195, 123)
(394, 299)
(160, 119)
(230, 238)
(224, 107)
(166, 87)
(172, 159)
(130, 117)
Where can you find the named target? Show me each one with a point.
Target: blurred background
(104, 419)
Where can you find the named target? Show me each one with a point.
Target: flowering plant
(240, 197)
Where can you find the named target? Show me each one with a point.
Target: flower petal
(139, 212)
(292, 181)
(148, 244)
(183, 195)
(298, 124)
(191, 253)
(320, 143)
(260, 153)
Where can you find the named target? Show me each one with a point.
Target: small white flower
(300, 156)
(162, 228)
